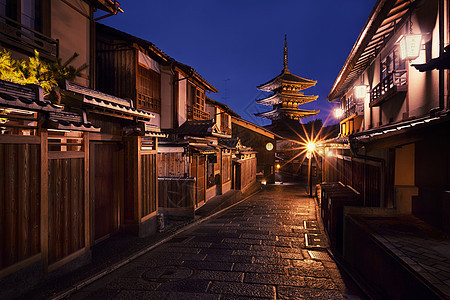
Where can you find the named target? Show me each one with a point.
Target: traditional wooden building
(262, 141)
(45, 148)
(393, 145)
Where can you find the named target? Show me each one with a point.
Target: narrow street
(256, 249)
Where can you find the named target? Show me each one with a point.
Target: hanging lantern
(360, 92)
(410, 46)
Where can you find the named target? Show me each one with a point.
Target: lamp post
(310, 148)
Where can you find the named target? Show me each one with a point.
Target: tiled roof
(25, 97)
(107, 101)
(229, 143)
(30, 98)
(196, 128)
(286, 77)
(69, 121)
(277, 98)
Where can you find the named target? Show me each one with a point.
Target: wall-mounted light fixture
(410, 46)
(360, 91)
(338, 113)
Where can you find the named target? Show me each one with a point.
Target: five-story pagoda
(286, 96)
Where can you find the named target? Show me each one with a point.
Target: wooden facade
(257, 138)
(44, 204)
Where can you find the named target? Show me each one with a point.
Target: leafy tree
(49, 75)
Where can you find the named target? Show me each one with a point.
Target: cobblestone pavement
(256, 249)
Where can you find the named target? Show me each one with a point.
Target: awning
(203, 149)
(24, 97)
(440, 63)
(399, 132)
(108, 102)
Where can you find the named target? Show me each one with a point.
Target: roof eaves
(379, 12)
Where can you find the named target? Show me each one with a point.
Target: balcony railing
(356, 109)
(26, 39)
(194, 113)
(392, 84)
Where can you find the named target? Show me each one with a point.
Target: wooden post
(87, 226)
(138, 196)
(156, 168)
(44, 198)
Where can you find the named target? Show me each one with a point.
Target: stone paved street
(256, 249)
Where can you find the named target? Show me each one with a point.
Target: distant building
(285, 96)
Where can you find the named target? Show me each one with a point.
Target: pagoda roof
(277, 98)
(290, 113)
(286, 77)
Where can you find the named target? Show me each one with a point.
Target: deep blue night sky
(238, 44)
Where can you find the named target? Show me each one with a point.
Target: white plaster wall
(73, 31)
(166, 98)
(182, 100)
(423, 87)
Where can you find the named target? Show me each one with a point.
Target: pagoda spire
(286, 95)
(285, 62)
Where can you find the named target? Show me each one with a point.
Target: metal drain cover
(320, 255)
(311, 225)
(314, 240)
(167, 273)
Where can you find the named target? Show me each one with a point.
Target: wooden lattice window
(148, 90)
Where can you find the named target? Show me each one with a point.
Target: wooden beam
(44, 199)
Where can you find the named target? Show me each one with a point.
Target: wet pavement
(268, 246)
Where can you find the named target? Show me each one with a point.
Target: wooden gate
(105, 188)
(198, 171)
(20, 171)
(68, 195)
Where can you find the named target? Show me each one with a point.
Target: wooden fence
(20, 198)
(43, 200)
(365, 176)
(176, 192)
(248, 172)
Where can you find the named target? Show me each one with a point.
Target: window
(392, 63)
(196, 104)
(148, 90)
(199, 98)
(26, 12)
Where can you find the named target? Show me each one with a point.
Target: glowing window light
(360, 91)
(410, 46)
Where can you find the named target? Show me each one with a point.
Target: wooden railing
(357, 109)
(396, 81)
(194, 113)
(19, 36)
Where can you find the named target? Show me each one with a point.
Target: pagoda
(285, 95)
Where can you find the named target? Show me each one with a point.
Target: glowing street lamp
(338, 113)
(310, 148)
(410, 46)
